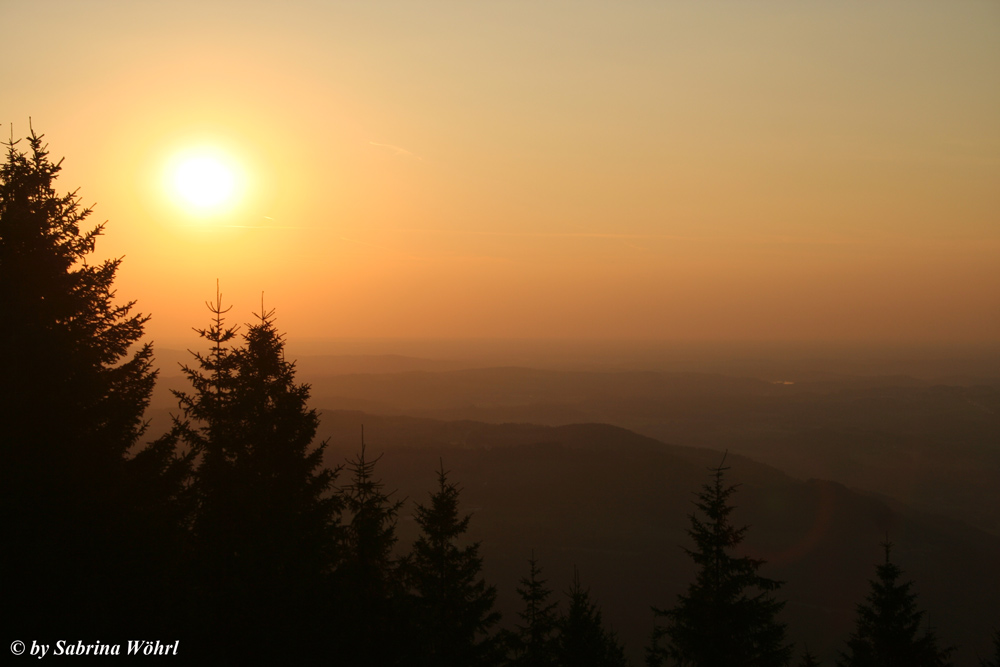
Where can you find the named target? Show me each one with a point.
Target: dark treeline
(229, 534)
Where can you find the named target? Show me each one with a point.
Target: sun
(204, 182)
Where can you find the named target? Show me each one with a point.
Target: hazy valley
(598, 468)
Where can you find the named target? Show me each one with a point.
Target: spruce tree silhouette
(454, 605)
(583, 640)
(534, 642)
(90, 522)
(808, 660)
(371, 627)
(888, 626)
(728, 615)
(995, 662)
(266, 530)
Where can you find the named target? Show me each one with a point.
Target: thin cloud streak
(396, 150)
(628, 237)
(594, 235)
(267, 217)
(780, 239)
(263, 227)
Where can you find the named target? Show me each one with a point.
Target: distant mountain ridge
(930, 445)
(615, 503)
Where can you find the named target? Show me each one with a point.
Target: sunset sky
(632, 170)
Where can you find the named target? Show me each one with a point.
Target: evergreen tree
(656, 652)
(995, 662)
(808, 660)
(454, 605)
(371, 627)
(728, 615)
(888, 626)
(534, 643)
(90, 519)
(266, 530)
(583, 640)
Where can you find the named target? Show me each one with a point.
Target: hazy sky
(658, 170)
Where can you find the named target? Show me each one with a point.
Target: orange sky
(654, 170)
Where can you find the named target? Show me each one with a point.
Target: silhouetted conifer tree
(888, 626)
(656, 652)
(535, 641)
(454, 605)
(373, 627)
(266, 531)
(728, 615)
(583, 639)
(90, 522)
(808, 660)
(995, 662)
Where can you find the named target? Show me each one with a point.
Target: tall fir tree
(267, 524)
(90, 513)
(583, 639)
(888, 630)
(371, 627)
(728, 616)
(534, 642)
(454, 605)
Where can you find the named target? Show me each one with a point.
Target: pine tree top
(262, 490)
(454, 602)
(583, 639)
(370, 533)
(808, 660)
(538, 615)
(728, 615)
(71, 344)
(888, 625)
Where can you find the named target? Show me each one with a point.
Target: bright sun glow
(204, 182)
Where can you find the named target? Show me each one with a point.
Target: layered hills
(597, 470)
(615, 504)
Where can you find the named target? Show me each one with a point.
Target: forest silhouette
(230, 533)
